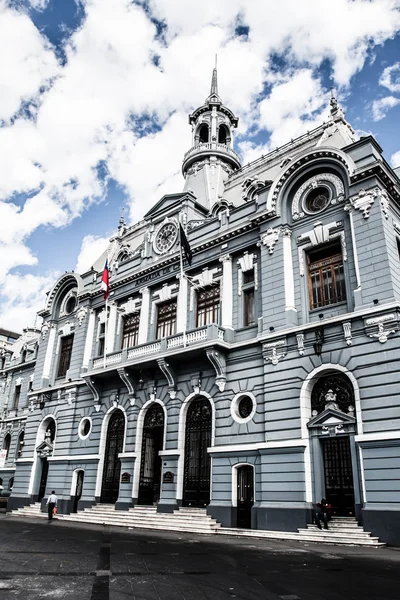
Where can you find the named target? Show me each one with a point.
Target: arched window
(7, 444)
(203, 134)
(332, 391)
(223, 135)
(20, 444)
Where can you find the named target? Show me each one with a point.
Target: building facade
(258, 379)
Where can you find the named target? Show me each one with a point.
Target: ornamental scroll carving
(314, 182)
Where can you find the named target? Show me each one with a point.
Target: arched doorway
(333, 422)
(196, 480)
(44, 450)
(245, 495)
(78, 490)
(150, 464)
(112, 464)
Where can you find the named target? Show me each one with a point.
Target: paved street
(60, 561)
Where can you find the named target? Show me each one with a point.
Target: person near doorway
(323, 513)
(51, 504)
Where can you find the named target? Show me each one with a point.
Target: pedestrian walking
(51, 504)
(323, 513)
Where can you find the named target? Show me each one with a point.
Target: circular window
(243, 407)
(70, 305)
(317, 199)
(85, 427)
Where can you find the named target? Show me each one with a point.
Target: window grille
(130, 334)
(208, 306)
(65, 355)
(166, 320)
(326, 277)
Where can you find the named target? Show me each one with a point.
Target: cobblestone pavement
(87, 562)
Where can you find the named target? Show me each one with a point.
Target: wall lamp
(319, 341)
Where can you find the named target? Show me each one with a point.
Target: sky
(95, 94)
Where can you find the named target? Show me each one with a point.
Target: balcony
(203, 150)
(204, 336)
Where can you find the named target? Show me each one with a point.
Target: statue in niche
(330, 400)
(47, 435)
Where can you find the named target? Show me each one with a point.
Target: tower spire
(213, 97)
(214, 79)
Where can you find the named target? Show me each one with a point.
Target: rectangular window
(17, 394)
(208, 303)
(102, 339)
(249, 309)
(166, 320)
(130, 334)
(65, 355)
(326, 276)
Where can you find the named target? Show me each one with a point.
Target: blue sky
(94, 97)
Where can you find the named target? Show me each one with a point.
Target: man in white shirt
(51, 504)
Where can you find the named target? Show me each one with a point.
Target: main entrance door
(196, 480)
(43, 478)
(78, 490)
(245, 495)
(112, 464)
(150, 465)
(339, 487)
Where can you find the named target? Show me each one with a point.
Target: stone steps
(342, 530)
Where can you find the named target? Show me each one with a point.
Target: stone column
(89, 340)
(181, 317)
(290, 308)
(226, 292)
(144, 316)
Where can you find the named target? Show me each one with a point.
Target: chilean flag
(105, 282)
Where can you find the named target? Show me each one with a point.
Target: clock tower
(211, 158)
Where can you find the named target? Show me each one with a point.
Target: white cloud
(382, 106)
(395, 159)
(27, 61)
(23, 296)
(90, 111)
(390, 77)
(91, 249)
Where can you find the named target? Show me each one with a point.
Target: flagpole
(181, 285)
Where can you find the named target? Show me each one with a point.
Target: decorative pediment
(168, 202)
(333, 422)
(44, 449)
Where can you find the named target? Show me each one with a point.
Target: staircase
(194, 520)
(342, 530)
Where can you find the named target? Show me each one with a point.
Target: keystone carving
(270, 239)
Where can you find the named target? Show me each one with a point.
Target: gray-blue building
(262, 379)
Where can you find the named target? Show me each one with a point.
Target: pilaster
(89, 340)
(144, 316)
(227, 292)
(181, 317)
(290, 308)
(49, 356)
